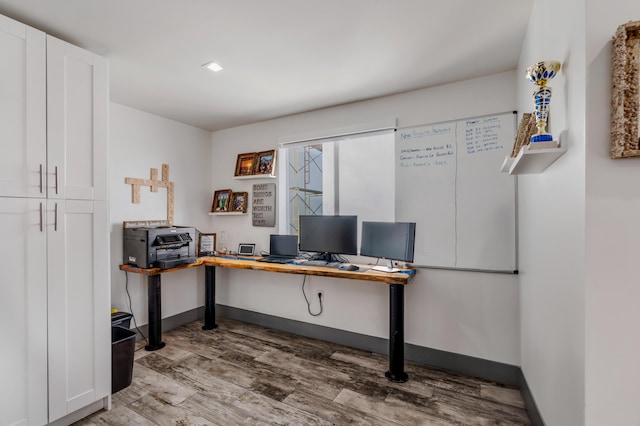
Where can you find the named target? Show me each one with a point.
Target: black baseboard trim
(529, 402)
(172, 322)
(464, 364)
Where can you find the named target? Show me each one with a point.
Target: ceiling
(280, 57)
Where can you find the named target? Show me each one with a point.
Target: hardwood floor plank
(315, 377)
(502, 394)
(223, 413)
(204, 347)
(249, 375)
(276, 412)
(163, 414)
(173, 351)
(470, 406)
(190, 374)
(157, 384)
(442, 379)
(334, 413)
(388, 410)
(119, 415)
(286, 342)
(362, 359)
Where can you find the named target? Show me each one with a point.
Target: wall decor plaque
(625, 90)
(263, 207)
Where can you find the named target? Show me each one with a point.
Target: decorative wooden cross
(153, 183)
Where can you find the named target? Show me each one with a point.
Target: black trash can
(123, 342)
(121, 319)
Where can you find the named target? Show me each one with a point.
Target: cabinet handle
(56, 172)
(55, 218)
(41, 178)
(41, 229)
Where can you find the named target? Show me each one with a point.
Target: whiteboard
(448, 181)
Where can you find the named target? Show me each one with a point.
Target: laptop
(282, 249)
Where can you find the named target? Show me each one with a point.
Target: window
(350, 175)
(305, 188)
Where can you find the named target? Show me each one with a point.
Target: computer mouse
(348, 267)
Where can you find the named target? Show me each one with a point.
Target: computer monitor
(388, 240)
(283, 245)
(328, 235)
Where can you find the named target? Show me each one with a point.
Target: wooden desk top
(156, 271)
(365, 273)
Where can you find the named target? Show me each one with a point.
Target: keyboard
(320, 263)
(269, 259)
(315, 263)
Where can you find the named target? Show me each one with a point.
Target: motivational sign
(263, 210)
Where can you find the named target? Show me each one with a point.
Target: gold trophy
(538, 74)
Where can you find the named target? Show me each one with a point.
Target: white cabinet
(23, 114)
(23, 313)
(78, 308)
(54, 293)
(77, 101)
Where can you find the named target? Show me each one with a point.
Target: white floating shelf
(226, 214)
(532, 161)
(255, 177)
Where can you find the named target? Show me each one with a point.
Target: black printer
(161, 247)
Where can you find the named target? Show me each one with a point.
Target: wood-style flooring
(244, 374)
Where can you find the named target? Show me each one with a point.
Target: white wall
(613, 238)
(552, 222)
(138, 142)
(468, 313)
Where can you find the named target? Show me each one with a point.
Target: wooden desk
(396, 282)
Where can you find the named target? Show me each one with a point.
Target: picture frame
(625, 104)
(239, 202)
(221, 201)
(265, 163)
(246, 249)
(526, 129)
(245, 164)
(206, 244)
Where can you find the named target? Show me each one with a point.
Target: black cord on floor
(126, 288)
(304, 280)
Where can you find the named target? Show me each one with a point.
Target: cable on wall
(304, 280)
(126, 288)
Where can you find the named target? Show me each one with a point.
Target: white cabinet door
(23, 313)
(22, 110)
(77, 108)
(79, 305)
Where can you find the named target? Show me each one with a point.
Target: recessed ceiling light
(213, 66)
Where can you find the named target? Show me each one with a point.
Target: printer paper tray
(170, 263)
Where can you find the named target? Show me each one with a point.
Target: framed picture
(625, 105)
(265, 163)
(245, 249)
(526, 128)
(221, 199)
(206, 244)
(245, 164)
(239, 201)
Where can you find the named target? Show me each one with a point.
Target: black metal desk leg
(396, 335)
(210, 298)
(154, 294)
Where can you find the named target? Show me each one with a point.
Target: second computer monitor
(388, 240)
(329, 235)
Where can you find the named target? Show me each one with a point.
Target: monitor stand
(388, 268)
(327, 257)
